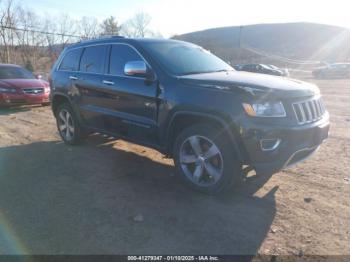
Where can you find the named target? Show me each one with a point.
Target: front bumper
(296, 144)
(23, 99)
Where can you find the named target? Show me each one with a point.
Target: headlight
(269, 109)
(7, 90)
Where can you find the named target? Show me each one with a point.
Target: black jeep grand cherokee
(185, 102)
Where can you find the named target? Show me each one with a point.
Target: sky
(170, 17)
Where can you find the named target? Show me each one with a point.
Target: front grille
(309, 111)
(33, 91)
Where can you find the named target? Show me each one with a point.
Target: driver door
(133, 99)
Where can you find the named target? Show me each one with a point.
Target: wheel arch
(182, 119)
(57, 100)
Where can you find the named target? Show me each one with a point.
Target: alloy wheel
(201, 161)
(66, 125)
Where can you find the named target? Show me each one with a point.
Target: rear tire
(68, 125)
(205, 159)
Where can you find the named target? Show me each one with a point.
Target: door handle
(73, 78)
(108, 82)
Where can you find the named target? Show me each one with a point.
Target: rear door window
(94, 59)
(71, 60)
(120, 55)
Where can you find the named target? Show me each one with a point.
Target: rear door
(63, 79)
(92, 101)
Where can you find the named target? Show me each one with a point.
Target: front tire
(205, 159)
(68, 125)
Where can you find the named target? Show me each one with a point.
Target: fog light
(270, 144)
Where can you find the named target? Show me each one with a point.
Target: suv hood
(23, 83)
(250, 82)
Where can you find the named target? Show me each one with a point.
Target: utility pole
(240, 43)
(240, 36)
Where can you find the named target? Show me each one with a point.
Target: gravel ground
(113, 197)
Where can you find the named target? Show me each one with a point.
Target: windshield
(11, 72)
(180, 58)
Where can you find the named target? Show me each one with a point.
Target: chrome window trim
(107, 44)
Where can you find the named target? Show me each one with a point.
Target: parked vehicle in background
(187, 103)
(261, 69)
(284, 71)
(338, 70)
(18, 86)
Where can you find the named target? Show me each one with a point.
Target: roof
(117, 39)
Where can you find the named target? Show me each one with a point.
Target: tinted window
(182, 58)
(120, 55)
(15, 73)
(93, 59)
(71, 60)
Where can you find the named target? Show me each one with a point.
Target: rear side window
(71, 60)
(93, 59)
(120, 55)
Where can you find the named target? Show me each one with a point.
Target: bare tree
(36, 41)
(67, 27)
(29, 42)
(88, 27)
(138, 26)
(110, 26)
(8, 20)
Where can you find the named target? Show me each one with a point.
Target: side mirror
(136, 68)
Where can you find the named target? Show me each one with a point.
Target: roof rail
(101, 37)
(111, 36)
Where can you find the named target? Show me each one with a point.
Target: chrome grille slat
(309, 111)
(323, 107)
(302, 113)
(33, 91)
(317, 107)
(313, 111)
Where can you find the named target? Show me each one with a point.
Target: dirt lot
(112, 197)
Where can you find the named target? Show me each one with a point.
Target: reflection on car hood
(266, 83)
(23, 83)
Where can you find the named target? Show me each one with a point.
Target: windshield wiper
(221, 70)
(195, 73)
(205, 72)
